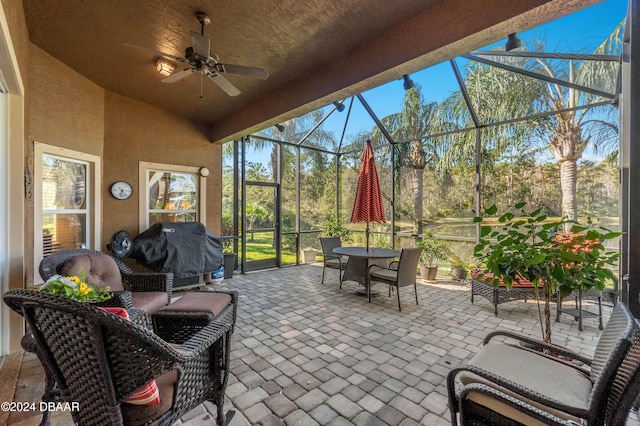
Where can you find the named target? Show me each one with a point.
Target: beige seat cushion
(384, 274)
(100, 269)
(150, 301)
(535, 372)
(200, 302)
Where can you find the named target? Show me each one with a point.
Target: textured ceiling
(315, 52)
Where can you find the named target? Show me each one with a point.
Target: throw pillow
(147, 394)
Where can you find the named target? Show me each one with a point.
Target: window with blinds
(65, 204)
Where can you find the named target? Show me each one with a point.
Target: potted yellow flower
(77, 288)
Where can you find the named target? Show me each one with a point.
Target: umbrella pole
(367, 234)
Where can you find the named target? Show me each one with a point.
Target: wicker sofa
(521, 290)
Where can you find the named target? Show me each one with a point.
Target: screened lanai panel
(260, 160)
(288, 190)
(599, 76)
(288, 205)
(498, 95)
(531, 173)
(307, 130)
(317, 195)
(439, 200)
(360, 127)
(228, 190)
(327, 127)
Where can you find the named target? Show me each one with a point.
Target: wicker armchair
(99, 359)
(532, 382)
(149, 291)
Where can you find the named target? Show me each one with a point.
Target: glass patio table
(360, 258)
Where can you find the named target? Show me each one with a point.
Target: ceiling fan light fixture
(165, 68)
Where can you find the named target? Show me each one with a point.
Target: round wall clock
(121, 190)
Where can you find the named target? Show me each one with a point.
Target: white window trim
(143, 167)
(95, 197)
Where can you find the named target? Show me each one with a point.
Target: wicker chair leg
(323, 268)
(398, 291)
(415, 290)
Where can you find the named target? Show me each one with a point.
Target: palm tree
(410, 125)
(570, 133)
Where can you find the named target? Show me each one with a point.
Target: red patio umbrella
(367, 206)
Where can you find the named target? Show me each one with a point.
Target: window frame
(93, 198)
(143, 169)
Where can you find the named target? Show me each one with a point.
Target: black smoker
(189, 250)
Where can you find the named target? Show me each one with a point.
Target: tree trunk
(568, 178)
(545, 314)
(418, 184)
(418, 159)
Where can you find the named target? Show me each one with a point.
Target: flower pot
(428, 273)
(309, 256)
(459, 273)
(229, 264)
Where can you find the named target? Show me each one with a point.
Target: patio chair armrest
(234, 302)
(538, 346)
(381, 268)
(499, 381)
(467, 415)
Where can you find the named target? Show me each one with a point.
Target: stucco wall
(136, 132)
(66, 109)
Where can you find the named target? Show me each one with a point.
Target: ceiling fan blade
(242, 70)
(155, 52)
(223, 83)
(178, 75)
(201, 44)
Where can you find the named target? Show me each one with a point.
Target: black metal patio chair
(399, 274)
(331, 260)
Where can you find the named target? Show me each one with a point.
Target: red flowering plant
(529, 245)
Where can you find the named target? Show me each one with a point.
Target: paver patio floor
(304, 353)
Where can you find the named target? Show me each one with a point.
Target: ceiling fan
(204, 63)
